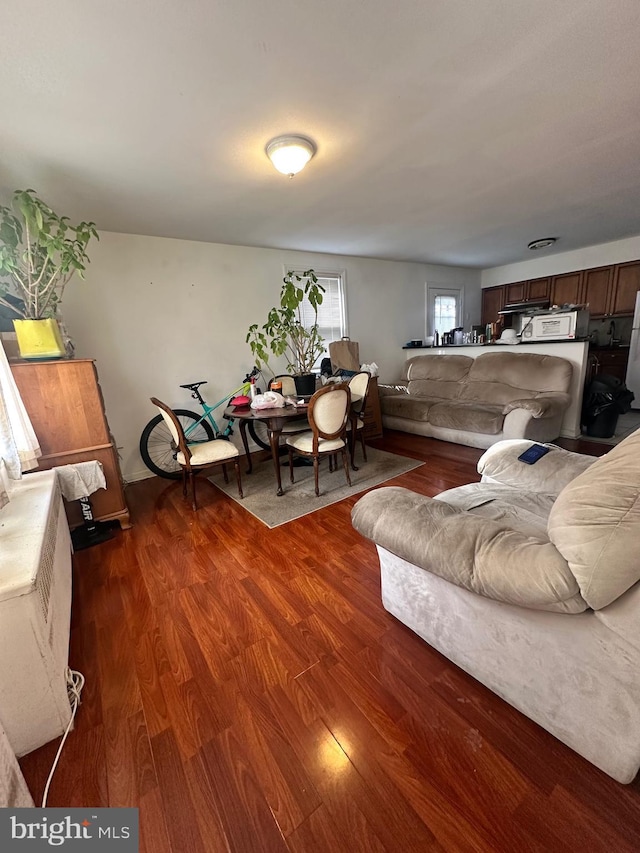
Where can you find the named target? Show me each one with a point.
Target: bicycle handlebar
(255, 372)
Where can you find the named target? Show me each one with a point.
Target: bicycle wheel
(158, 449)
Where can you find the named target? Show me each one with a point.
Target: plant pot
(305, 384)
(39, 339)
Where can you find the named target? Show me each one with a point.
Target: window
(332, 322)
(444, 309)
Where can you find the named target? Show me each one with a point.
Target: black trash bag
(605, 398)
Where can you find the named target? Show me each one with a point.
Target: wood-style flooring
(248, 692)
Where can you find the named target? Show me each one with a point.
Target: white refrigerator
(633, 367)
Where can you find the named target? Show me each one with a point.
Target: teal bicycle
(159, 450)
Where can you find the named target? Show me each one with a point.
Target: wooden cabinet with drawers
(372, 414)
(64, 402)
(613, 362)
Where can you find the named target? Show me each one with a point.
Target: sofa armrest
(484, 556)
(549, 475)
(543, 406)
(392, 389)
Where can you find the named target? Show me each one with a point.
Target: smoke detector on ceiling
(542, 243)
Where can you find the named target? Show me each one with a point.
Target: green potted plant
(284, 333)
(39, 252)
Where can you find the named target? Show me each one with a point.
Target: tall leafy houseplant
(39, 252)
(284, 333)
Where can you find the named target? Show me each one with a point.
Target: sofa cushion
(440, 376)
(468, 416)
(550, 474)
(526, 512)
(405, 406)
(502, 377)
(595, 524)
(485, 556)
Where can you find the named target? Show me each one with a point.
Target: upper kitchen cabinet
(537, 289)
(626, 284)
(534, 290)
(608, 291)
(492, 301)
(597, 291)
(515, 292)
(566, 289)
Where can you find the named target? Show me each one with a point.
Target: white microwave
(555, 326)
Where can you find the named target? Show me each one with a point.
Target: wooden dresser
(372, 414)
(64, 401)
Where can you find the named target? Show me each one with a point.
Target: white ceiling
(448, 131)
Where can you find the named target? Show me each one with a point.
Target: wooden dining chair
(297, 425)
(328, 416)
(198, 457)
(359, 387)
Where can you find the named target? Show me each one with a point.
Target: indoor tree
(284, 333)
(39, 252)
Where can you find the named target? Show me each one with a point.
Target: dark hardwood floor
(247, 690)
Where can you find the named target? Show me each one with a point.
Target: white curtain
(19, 449)
(14, 793)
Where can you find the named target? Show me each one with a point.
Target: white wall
(158, 312)
(603, 254)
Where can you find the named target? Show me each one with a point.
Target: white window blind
(331, 314)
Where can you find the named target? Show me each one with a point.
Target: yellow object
(39, 338)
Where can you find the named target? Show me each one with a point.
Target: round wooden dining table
(274, 420)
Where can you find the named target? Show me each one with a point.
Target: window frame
(431, 292)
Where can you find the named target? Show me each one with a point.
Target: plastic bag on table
(268, 400)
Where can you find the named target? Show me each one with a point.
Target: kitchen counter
(500, 346)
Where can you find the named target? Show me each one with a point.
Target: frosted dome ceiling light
(542, 243)
(290, 154)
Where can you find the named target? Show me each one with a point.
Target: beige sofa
(479, 401)
(529, 581)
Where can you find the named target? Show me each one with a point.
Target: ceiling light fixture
(290, 154)
(542, 243)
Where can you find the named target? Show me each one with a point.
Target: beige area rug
(299, 498)
(627, 423)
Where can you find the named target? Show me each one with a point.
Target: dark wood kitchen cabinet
(515, 292)
(626, 284)
(538, 288)
(566, 289)
(533, 290)
(609, 291)
(613, 362)
(493, 299)
(596, 290)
